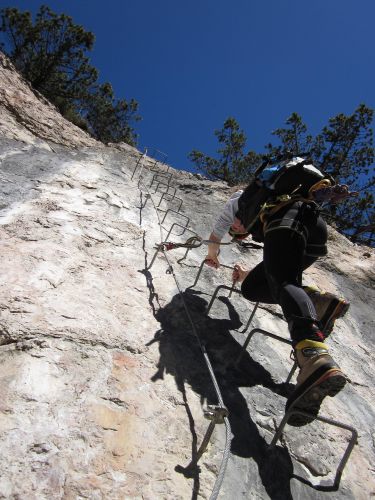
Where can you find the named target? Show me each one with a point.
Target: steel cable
(226, 451)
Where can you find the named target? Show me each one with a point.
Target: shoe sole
(329, 385)
(339, 311)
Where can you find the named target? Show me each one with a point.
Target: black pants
(294, 238)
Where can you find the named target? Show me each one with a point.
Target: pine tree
(109, 119)
(344, 149)
(295, 139)
(51, 54)
(233, 165)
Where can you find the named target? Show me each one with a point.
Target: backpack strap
(283, 200)
(280, 202)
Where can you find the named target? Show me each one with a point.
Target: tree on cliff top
(51, 54)
(109, 119)
(233, 165)
(344, 149)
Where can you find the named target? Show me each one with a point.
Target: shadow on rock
(181, 356)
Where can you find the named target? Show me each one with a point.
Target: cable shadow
(153, 297)
(181, 356)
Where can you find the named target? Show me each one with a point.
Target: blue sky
(192, 64)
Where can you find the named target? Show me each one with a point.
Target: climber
(294, 237)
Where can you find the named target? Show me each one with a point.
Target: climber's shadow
(181, 356)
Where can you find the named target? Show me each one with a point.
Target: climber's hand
(334, 194)
(239, 274)
(340, 192)
(237, 226)
(212, 261)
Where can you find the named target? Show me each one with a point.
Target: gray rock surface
(103, 381)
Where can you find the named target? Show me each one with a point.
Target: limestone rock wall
(27, 116)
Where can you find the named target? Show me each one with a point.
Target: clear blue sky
(191, 64)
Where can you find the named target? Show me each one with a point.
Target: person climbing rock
(294, 236)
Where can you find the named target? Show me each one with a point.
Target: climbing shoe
(319, 377)
(328, 308)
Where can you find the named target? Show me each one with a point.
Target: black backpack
(276, 185)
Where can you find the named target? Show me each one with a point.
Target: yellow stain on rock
(122, 360)
(119, 434)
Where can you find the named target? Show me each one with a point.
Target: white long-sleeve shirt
(226, 218)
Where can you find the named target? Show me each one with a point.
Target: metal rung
(352, 442)
(173, 198)
(177, 213)
(154, 169)
(267, 334)
(232, 289)
(200, 271)
(136, 166)
(138, 162)
(185, 254)
(254, 330)
(167, 185)
(185, 228)
(251, 317)
(168, 176)
(221, 287)
(198, 274)
(263, 332)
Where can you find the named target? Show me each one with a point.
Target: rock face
(103, 380)
(27, 116)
